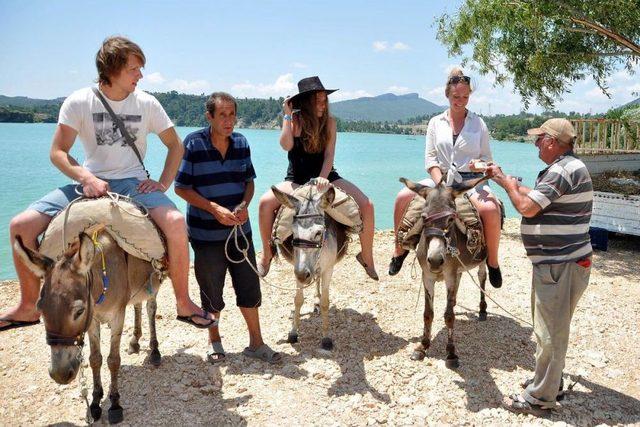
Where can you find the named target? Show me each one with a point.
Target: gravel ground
(368, 378)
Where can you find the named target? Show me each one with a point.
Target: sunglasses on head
(460, 79)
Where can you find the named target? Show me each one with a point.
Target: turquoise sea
(372, 161)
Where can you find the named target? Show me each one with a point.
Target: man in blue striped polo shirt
(216, 179)
(555, 233)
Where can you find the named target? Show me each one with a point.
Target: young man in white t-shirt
(110, 165)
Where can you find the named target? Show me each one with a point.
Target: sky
(258, 49)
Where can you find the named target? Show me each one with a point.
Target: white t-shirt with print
(107, 155)
(472, 143)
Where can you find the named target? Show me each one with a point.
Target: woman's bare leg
(267, 209)
(489, 210)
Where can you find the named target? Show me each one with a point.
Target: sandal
(189, 319)
(371, 272)
(12, 324)
(559, 396)
(518, 405)
(396, 263)
(264, 353)
(216, 354)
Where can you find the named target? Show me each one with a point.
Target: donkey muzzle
(65, 363)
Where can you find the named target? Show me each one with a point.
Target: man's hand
(149, 186)
(242, 214)
(224, 216)
(494, 171)
(94, 187)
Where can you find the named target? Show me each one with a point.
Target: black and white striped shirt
(560, 231)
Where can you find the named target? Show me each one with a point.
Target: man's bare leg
(28, 225)
(173, 225)
(253, 325)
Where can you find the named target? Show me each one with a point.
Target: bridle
(77, 340)
(309, 244)
(430, 231)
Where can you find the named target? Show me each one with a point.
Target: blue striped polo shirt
(220, 180)
(560, 231)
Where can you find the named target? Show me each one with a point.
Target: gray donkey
(317, 244)
(77, 295)
(441, 249)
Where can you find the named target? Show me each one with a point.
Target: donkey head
(308, 230)
(439, 216)
(65, 302)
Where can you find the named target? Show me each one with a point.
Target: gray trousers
(555, 291)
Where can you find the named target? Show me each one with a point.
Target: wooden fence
(604, 136)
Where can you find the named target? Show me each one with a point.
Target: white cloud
(343, 95)
(398, 90)
(283, 86)
(400, 46)
(380, 46)
(383, 45)
(299, 65)
(156, 82)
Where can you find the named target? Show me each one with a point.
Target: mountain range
(385, 108)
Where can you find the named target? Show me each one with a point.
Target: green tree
(544, 46)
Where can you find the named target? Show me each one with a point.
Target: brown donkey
(443, 255)
(78, 294)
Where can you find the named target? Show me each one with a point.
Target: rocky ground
(368, 378)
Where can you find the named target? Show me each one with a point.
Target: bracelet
(287, 117)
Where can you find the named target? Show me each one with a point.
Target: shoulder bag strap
(125, 134)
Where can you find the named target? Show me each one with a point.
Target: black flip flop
(12, 324)
(189, 320)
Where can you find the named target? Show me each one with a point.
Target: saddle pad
(344, 210)
(124, 220)
(469, 223)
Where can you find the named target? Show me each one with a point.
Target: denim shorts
(59, 198)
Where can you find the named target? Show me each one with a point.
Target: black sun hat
(310, 85)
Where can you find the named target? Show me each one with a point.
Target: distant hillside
(385, 108)
(23, 101)
(632, 103)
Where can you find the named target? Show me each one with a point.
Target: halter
(438, 232)
(78, 340)
(309, 244)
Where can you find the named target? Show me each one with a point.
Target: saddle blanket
(344, 210)
(125, 220)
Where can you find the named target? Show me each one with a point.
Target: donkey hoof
(134, 348)
(316, 309)
(482, 316)
(326, 343)
(96, 412)
(452, 362)
(418, 355)
(292, 338)
(116, 414)
(155, 357)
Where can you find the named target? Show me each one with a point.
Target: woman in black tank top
(309, 137)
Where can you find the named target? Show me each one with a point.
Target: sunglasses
(460, 79)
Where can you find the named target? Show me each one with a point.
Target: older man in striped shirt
(555, 233)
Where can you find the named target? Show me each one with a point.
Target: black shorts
(211, 267)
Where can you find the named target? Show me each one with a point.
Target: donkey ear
(421, 190)
(286, 199)
(461, 189)
(34, 261)
(84, 257)
(328, 197)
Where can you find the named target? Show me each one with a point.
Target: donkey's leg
(299, 299)
(482, 278)
(429, 286)
(113, 361)
(152, 306)
(327, 342)
(316, 305)
(134, 344)
(452, 279)
(95, 361)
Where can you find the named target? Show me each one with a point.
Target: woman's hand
(149, 186)
(479, 165)
(286, 106)
(321, 183)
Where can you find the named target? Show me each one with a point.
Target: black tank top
(304, 165)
